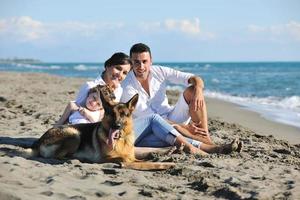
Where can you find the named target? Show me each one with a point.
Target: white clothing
(82, 94)
(180, 112)
(77, 118)
(157, 101)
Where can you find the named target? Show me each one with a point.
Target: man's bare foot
(196, 151)
(235, 145)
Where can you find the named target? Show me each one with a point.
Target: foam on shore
(234, 113)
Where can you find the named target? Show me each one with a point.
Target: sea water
(269, 88)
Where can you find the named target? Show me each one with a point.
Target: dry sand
(268, 168)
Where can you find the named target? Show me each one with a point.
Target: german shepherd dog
(111, 140)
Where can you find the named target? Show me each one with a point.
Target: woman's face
(115, 74)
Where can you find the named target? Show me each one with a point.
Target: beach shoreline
(234, 113)
(267, 168)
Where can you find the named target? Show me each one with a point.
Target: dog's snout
(118, 125)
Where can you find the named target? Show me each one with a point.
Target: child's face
(93, 102)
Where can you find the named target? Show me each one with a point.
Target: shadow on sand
(10, 146)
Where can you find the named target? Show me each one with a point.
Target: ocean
(269, 88)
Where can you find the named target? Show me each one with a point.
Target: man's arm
(196, 81)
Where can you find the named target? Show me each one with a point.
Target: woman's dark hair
(140, 48)
(118, 58)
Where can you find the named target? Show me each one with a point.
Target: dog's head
(117, 118)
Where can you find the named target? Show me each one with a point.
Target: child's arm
(92, 116)
(71, 107)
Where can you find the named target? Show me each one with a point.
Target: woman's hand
(195, 129)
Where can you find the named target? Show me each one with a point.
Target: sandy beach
(267, 168)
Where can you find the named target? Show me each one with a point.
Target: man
(150, 81)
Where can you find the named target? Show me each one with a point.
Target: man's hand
(198, 99)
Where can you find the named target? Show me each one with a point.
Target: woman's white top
(83, 92)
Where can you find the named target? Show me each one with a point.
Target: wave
(284, 110)
(55, 67)
(292, 102)
(30, 66)
(79, 67)
(82, 67)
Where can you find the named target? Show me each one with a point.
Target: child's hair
(94, 90)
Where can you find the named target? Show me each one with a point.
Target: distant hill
(19, 60)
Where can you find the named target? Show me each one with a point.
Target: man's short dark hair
(140, 48)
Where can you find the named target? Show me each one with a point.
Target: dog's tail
(147, 166)
(25, 152)
(30, 152)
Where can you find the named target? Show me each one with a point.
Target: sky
(176, 31)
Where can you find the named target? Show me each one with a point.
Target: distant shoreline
(19, 60)
(32, 60)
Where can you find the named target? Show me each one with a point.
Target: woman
(151, 130)
(115, 70)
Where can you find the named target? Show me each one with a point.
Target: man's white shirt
(157, 101)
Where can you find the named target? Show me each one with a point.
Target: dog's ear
(132, 102)
(108, 94)
(107, 104)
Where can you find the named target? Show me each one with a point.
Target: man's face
(141, 65)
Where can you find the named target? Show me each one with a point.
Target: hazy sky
(191, 30)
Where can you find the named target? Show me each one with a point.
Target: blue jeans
(153, 131)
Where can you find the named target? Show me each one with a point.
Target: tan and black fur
(93, 142)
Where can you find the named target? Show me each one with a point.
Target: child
(91, 112)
